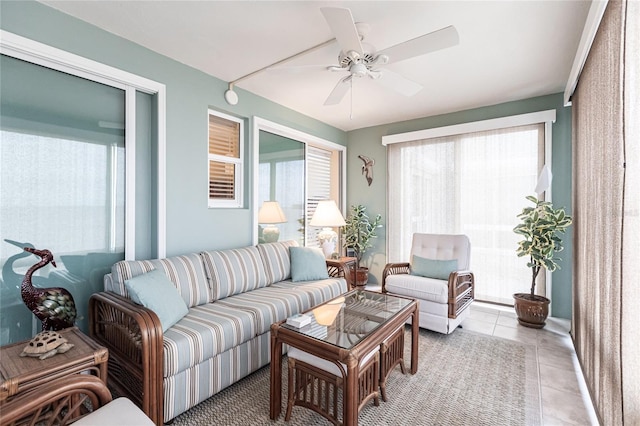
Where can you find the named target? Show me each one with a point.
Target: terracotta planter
(532, 311)
(362, 276)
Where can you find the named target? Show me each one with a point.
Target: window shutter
(224, 136)
(225, 160)
(318, 186)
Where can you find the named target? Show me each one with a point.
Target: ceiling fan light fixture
(359, 70)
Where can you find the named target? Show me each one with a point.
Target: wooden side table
(19, 374)
(344, 267)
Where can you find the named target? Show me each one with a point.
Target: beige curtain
(605, 207)
(473, 184)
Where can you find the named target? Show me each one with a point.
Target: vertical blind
(318, 186)
(606, 206)
(473, 184)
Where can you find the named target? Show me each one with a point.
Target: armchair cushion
(418, 287)
(432, 268)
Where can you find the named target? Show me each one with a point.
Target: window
(225, 160)
(470, 183)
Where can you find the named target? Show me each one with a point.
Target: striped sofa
(233, 297)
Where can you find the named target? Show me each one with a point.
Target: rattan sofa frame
(133, 335)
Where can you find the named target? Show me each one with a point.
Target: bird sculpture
(367, 168)
(53, 306)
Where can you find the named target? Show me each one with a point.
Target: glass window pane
(61, 186)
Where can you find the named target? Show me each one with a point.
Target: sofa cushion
(418, 287)
(153, 290)
(274, 304)
(276, 259)
(186, 272)
(307, 264)
(206, 331)
(233, 271)
(318, 291)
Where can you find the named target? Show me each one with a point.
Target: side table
(19, 374)
(344, 267)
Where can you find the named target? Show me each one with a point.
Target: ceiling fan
(360, 59)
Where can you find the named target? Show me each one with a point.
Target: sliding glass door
(297, 170)
(62, 186)
(473, 184)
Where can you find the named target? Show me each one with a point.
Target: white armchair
(438, 276)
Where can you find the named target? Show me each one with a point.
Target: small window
(225, 160)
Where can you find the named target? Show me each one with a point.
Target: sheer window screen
(225, 161)
(471, 184)
(318, 186)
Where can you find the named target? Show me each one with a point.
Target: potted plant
(358, 233)
(540, 226)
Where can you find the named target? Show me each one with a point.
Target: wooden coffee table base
(350, 357)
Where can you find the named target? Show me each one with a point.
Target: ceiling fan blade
(436, 40)
(400, 84)
(343, 28)
(339, 91)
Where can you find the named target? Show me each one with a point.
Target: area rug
(464, 378)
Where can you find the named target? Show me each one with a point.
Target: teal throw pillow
(431, 268)
(155, 291)
(307, 264)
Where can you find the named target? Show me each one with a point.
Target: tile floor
(565, 400)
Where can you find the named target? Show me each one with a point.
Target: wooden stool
(391, 354)
(314, 383)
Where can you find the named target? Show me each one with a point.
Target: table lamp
(269, 214)
(327, 216)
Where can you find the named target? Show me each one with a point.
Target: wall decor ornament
(367, 168)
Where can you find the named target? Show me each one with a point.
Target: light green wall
(368, 142)
(190, 224)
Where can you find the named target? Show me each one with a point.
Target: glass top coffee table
(343, 330)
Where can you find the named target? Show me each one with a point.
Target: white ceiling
(509, 50)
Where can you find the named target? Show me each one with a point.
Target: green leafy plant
(360, 230)
(541, 226)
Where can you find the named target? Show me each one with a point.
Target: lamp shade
(327, 215)
(270, 212)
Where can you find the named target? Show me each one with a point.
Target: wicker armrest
(461, 291)
(133, 335)
(339, 269)
(60, 402)
(393, 269)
